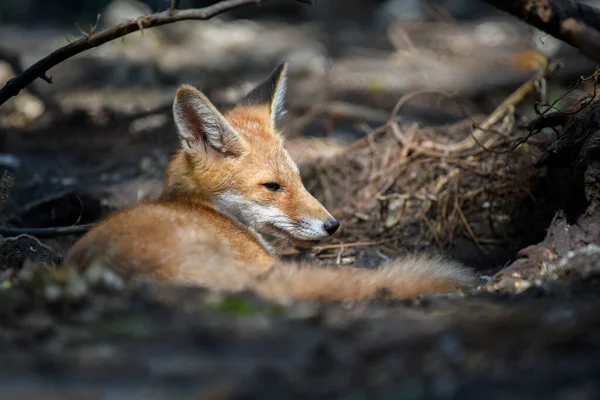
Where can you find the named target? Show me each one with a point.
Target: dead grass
(406, 187)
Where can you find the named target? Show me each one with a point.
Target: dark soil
(70, 337)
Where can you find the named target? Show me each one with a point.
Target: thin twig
(338, 258)
(545, 119)
(46, 232)
(323, 179)
(14, 60)
(348, 245)
(433, 231)
(467, 226)
(481, 134)
(482, 131)
(39, 69)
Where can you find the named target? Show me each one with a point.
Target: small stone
(445, 386)
(52, 292)
(93, 274)
(98, 276)
(112, 281)
(522, 285)
(68, 181)
(305, 311)
(361, 216)
(76, 287)
(392, 221)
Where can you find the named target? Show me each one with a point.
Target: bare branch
(46, 77)
(46, 232)
(568, 20)
(14, 61)
(39, 69)
(174, 5)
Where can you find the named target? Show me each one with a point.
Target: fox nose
(331, 226)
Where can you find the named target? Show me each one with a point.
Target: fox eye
(272, 186)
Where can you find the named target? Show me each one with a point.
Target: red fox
(231, 185)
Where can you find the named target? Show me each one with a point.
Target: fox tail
(398, 279)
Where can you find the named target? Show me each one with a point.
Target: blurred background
(98, 138)
(366, 52)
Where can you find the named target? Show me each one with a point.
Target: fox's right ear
(200, 124)
(271, 92)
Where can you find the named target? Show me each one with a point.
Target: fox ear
(271, 92)
(200, 124)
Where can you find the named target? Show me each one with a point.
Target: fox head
(237, 162)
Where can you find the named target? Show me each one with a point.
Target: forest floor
(412, 179)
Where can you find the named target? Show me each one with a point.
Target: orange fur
(207, 228)
(400, 278)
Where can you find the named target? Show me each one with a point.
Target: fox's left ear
(200, 124)
(271, 92)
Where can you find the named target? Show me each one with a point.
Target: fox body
(231, 186)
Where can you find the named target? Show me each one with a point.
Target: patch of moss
(276, 309)
(126, 326)
(234, 305)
